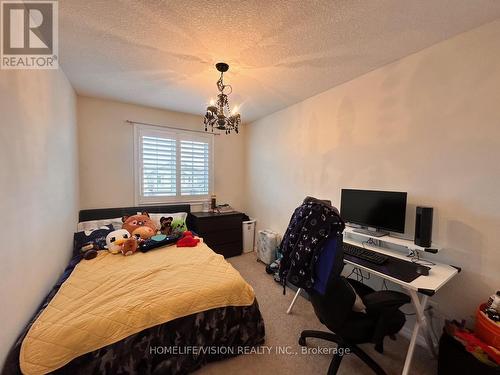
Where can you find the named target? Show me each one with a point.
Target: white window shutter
(158, 166)
(172, 166)
(195, 168)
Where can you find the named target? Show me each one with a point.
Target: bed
(172, 347)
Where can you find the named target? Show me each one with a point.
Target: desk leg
(421, 322)
(293, 301)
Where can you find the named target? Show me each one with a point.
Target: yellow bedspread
(111, 297)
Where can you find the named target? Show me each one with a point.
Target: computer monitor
(382, 210)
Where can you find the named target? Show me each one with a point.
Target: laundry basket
(486, 329)
(267, 245)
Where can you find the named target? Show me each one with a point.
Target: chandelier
(218, 113)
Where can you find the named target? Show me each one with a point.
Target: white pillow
(175, 215)
(93, 224)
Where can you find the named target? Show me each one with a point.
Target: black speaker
(423, 226)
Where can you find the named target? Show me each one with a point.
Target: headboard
(109, 213)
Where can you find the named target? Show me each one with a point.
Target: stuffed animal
(178, 226)
(166, 225)
(89, 250)
(140, 226)
(130, 246)
(120, 241)
(86, 243)
(188, 240)
(143, 233)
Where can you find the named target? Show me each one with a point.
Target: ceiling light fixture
(215, 117)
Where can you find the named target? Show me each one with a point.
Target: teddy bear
(121, 241)
(166, 225)
(178, 226)
(139, 226)
(130, 246)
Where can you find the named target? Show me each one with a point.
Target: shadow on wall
(444, 119)
(427, 125)
(411, 209)
(410, 218)
(465, 249)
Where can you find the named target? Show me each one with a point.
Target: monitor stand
(372, 233)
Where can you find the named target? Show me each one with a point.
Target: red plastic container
(486, 329)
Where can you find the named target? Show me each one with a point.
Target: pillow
(178, 217)
(97, 235)
(93, 224)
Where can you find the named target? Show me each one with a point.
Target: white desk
(426, 286)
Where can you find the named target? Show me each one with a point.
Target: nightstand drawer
(228, 249)
(222, 232)
(219, 223)
(222, 237)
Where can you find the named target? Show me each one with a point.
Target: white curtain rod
(168, 127)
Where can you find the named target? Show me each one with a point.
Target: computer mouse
(422, 270)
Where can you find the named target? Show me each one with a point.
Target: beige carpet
(283, 330)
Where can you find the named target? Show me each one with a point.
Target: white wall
(106, 152)
(38, 191)
(428, 124)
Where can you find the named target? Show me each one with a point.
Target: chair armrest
(385, 300)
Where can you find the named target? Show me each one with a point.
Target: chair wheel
(302, 341)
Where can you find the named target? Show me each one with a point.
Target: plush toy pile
(139, 232)
(135, 230)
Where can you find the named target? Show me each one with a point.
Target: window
(172, 165)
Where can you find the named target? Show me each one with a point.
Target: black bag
(455, 360)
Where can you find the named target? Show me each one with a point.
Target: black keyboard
(362, 253)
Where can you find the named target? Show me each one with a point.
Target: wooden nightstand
(222, 232)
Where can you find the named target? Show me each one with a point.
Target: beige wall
(107, 159)
(428, 124)
(38, 191)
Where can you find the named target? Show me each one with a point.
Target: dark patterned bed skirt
(176, 347)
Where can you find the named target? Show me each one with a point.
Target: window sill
(171, 203)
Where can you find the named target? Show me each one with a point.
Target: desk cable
(415, 258)
(384, 284)
(358, 272)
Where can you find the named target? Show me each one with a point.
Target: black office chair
(332, 297)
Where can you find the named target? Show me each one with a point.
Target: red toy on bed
(187, 240)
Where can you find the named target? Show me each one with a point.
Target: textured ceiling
(162, 53)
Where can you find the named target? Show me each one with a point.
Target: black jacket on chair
(312, 223)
